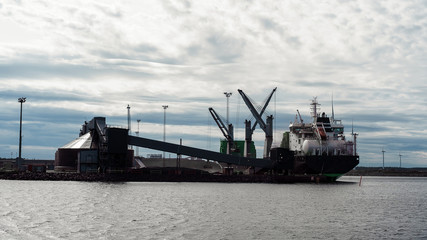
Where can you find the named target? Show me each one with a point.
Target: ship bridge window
(338, 130)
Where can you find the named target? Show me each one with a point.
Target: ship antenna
(354, 139)
(333, 115)
(352, 133)
(314, 108)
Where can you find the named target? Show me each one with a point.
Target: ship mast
(314, 108)
(333, 115)
(354, 139)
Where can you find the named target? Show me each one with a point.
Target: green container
(239, 148)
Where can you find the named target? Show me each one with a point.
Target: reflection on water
(381, 208)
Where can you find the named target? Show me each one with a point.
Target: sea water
(380, 208)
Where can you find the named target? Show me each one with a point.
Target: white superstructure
(323, 136)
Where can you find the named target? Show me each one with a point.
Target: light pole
(400, 156)
(128, 107)
(20, 100)
(227, 95)
(164, 129)
(383, 157)
(129, 125)
(137, 134)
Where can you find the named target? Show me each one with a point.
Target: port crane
(227, 131)
(266, 126)
(300, 118)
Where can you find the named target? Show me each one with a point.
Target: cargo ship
(320, 146)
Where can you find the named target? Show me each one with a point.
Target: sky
(75, 60)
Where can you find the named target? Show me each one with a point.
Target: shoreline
(388, 172)
(138, 177)
(199, 176)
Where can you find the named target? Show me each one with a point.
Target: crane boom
(300, 118)
(266, 127)
(254, 112)
(265, 106)
(225, 130)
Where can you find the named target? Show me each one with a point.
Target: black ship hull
(332, 166)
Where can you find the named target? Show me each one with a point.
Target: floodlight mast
(164, 129)
(137, 134)
(383, 157)
(129, 123)
(19, 161)
(228, 95)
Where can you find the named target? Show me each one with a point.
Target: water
(381, 208)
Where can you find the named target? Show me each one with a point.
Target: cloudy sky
(76, 60)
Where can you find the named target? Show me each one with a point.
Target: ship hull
(330, 166)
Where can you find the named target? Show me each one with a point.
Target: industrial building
(99, 148)
(32, 165)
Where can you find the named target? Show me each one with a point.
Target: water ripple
(382, 208)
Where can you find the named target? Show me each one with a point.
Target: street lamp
(137, 134)
(129, 126)
(227, 95)
(20, 100)
(164, 129)
(383, 157)
(164, 122)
